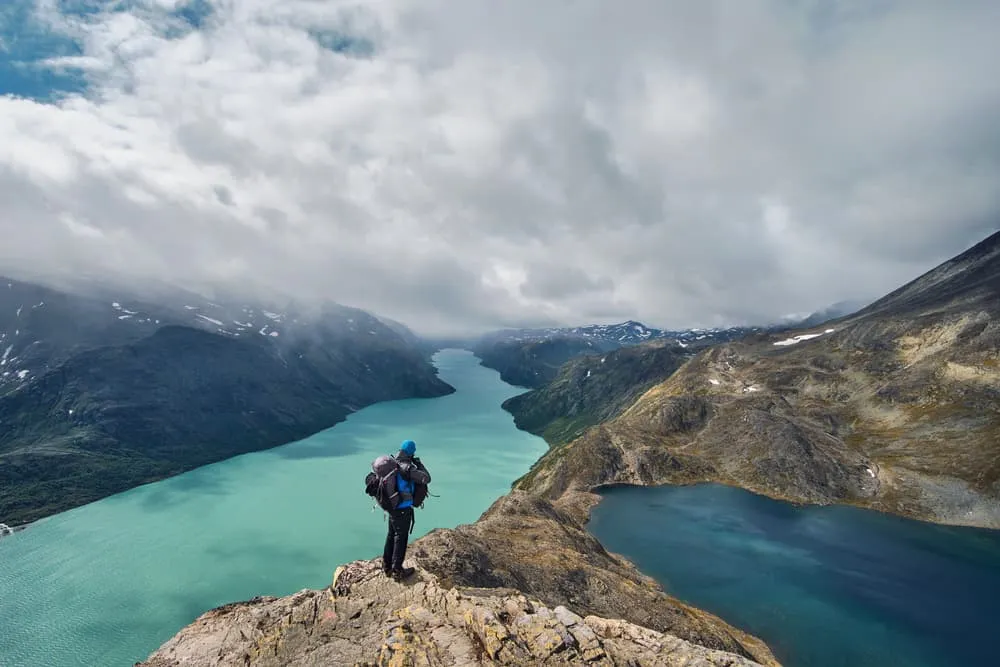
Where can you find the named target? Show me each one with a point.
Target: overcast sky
(474, 164)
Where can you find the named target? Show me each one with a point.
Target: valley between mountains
(895, 407)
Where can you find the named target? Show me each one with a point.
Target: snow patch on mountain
(209, 319)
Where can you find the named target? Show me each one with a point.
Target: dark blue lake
(823, 586)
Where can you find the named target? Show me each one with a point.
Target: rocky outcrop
(542, 549)
(366, 619)
(895, 408)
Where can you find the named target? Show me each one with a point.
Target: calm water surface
(107, 583)
(823, 586)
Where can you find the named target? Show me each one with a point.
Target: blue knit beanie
(408, 446)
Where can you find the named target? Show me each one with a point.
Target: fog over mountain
(473, 165)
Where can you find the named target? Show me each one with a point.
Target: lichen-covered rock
(365, 619)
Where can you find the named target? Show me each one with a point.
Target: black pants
(395, 542)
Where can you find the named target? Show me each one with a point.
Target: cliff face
(896, 407)
(365, 619)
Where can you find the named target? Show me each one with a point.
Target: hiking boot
(387, 571)
(403, 573)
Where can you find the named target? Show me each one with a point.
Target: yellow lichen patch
(930, 341)
(962, 373)
(882, 416)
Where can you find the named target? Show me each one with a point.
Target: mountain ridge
(895, 407)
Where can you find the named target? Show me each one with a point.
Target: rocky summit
(365, 618)
(895, 408)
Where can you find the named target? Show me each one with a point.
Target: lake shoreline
(823, 585)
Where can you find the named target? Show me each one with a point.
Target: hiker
(411, 472)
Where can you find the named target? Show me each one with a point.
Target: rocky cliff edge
(523, 585)
(365, 618)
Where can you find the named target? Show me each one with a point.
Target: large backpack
(419, 490)
(381, 482)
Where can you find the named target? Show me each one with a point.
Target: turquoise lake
(107, 583)
(823, 586)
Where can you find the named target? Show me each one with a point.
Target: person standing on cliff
(410, 477)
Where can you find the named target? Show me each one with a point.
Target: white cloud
(477, 164)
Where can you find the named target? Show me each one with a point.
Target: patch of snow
(6, 355)
(116, 305)
(157, 321)
(23, 374)
(829, 331)
(245, 325)
(682, 343)
(588, 372)
(124, 317)
(750, 388)
(191, 307)
(19, 309)
(71, 412)
(273, 316)
(603, 359)
(209, 319)
(263, 330)
(871, 472)
(714, 381)
(273, 334)
(795, 339)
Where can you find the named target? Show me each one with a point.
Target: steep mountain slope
(534, 363)
(895, 407)
(104, 395)
(594, 388)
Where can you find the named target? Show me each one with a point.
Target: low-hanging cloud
(471, 164)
